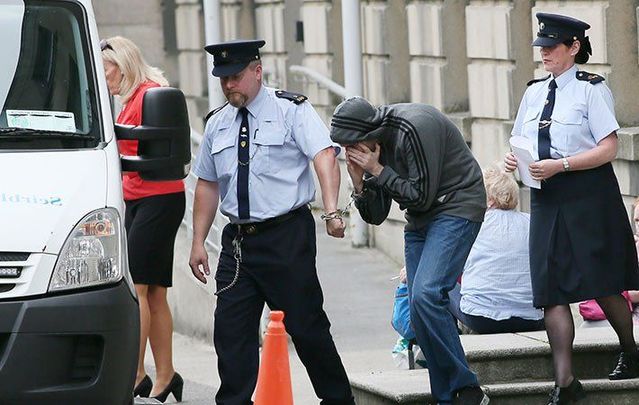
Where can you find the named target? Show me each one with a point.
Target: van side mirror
(164, 148)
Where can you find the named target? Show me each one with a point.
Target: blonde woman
(496, 294)
(154, 211)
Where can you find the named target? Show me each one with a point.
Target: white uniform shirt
(496, 281)
(583, 114)
(284, 137)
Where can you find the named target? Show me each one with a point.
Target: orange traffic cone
(274, 378)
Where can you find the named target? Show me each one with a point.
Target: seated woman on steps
(495, 295)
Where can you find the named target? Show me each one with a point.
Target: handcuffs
(339, 213)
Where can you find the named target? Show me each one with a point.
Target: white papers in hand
(525, 153)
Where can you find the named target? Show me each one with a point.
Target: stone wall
(471, 59)
(192, 59)
(145, 23)
(316, 17)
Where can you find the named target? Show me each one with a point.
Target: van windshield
(47, 87)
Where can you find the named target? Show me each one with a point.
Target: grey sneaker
(471, 395)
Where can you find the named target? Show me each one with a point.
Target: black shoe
(175, 387)
(143, 389)
(627, 367)
(567, 395)
(471, 395)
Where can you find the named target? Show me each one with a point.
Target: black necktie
(543, 137)
(243, 167)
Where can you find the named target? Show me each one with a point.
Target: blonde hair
(501, 188)
(135, 71)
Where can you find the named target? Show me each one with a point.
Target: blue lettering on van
(26, 199)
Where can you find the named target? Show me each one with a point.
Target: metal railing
(320, 79)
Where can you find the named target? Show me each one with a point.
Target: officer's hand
(545, 169)
(510, 162)
(335, 227)
(199, 257)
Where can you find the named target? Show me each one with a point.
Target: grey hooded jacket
(428, 168)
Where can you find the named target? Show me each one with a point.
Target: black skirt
(151, 225)
(581, 243)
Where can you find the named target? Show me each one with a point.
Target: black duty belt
(253, 228)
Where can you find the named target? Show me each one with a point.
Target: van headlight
(92, 254)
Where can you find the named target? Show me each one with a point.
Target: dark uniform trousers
(278, 267)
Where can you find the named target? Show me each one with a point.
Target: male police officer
(416, 156)
(255, 159)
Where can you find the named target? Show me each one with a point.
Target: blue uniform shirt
(284, 138)
(583, 114)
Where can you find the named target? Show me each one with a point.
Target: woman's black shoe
(567, 395)
(143, 389)
(175, 387)
(627, 367)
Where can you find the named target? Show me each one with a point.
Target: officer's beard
(237, 100)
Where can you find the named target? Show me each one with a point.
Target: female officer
(581, 244)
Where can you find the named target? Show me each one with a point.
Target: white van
(69, 322)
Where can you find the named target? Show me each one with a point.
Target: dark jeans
(483, 325)
(435, 258)
(278, 267)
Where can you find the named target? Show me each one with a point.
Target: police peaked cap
(232, 57)
(555, 28)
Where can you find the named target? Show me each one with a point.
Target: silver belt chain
(237, 254)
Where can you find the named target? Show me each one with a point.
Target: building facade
(469, 58)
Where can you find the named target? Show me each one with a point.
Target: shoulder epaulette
(294, 97)
(533, 81)
(215, 111)
(592, 78)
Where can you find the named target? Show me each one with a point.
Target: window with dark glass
(47, 88)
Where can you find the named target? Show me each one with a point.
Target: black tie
(543, 137)
(243, 167)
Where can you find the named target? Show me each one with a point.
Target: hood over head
(356, 120)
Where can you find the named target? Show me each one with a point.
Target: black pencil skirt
(581, 243)
(151, 225)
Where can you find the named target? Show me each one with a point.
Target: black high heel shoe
(627, 367)
(175, 387)
(143, 389)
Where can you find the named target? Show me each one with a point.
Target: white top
(284, 138)
(583, 114)
(496, 280)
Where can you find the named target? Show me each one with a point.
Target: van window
(47, 84)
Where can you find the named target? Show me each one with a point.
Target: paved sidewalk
(358, 293)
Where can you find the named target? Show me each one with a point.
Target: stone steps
(513, 369)
(527, 357)
(599, 392)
